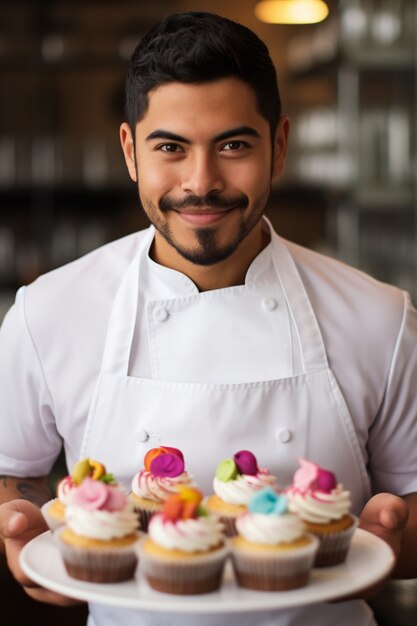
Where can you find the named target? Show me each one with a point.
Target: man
(207, 331)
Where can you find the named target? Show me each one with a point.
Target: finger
(363, 594)
(15, 524)
(50, 597)
(394, 516)
(384, 509)
(18, 517)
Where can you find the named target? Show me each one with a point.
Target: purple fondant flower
(246, 462)
(167, 465)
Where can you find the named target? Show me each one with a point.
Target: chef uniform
(214, 372)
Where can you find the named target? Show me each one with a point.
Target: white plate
(370, 559)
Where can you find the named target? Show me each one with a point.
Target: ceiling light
(291, 11)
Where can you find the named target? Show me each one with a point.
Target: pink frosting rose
(312, 477)
(95, 495)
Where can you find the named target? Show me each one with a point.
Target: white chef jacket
(49, 362)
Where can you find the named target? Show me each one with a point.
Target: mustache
(212, 200)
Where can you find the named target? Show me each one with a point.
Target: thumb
(385, 515)
(14, 524)
(19, 517)
(394, 516)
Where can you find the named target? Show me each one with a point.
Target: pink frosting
(65, 486)
(94, 495)
(311, 477)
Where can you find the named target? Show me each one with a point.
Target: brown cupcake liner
(145, 513)
(334, 547)
(190, 576)
(274, 570)
(229, 523)
(107, 565)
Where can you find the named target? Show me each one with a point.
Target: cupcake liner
(275, 570)
(194, 575)
(227, 516)
(145, 512)
(334, 547)
(53, 522)
(145, 517)
(99, 565)
(229, 525)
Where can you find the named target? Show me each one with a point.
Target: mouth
(203, 217)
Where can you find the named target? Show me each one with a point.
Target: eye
(233, 146)
(169, 147)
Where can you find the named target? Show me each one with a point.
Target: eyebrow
(227, 134)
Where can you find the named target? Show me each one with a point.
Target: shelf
(384, 198)
(380, 58)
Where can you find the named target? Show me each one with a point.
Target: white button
(283, 435)
(142, 435)
(160, 315)
(269, 304)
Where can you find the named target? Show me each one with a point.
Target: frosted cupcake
(185, 550)
(234, 484)
(99, 541)
(164, 470)
(272, 550)
(54, 510)
(323, 504)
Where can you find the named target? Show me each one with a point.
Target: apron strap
(122, 320)
(312, 350)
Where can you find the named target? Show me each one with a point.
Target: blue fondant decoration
(268, 502)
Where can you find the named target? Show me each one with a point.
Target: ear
(280, 146)
(128, 147)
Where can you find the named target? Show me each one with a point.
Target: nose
(202, 175)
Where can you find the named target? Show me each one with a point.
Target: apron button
(142, 435)
(269, 304)
(283, 435)
(160, 315)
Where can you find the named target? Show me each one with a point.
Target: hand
(21, 521)
(384, 515)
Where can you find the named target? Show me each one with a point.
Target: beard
(207, 250)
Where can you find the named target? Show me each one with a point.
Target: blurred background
(348, 84)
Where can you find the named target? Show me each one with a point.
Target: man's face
(203, 162)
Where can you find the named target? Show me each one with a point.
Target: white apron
(299, 413)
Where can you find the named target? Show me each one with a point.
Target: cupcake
(324, 506)
(234, 484)
(163, 471)
(99, 541)
(185, 550)
(54, 510)
(272, 550)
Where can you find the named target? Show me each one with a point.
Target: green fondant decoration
(227, 470)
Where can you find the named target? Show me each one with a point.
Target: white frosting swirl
(65, 486)
(159, 488)
(241, 490)
(319, 507)
(100, 524)
(270, 529)
(188, 535)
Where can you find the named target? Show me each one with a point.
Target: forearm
(406, 566)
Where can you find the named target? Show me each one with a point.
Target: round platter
(370, 559)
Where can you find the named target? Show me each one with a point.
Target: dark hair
(198, 47)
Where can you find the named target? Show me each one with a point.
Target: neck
(227, 273)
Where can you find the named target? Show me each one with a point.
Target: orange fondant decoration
(150, 455)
